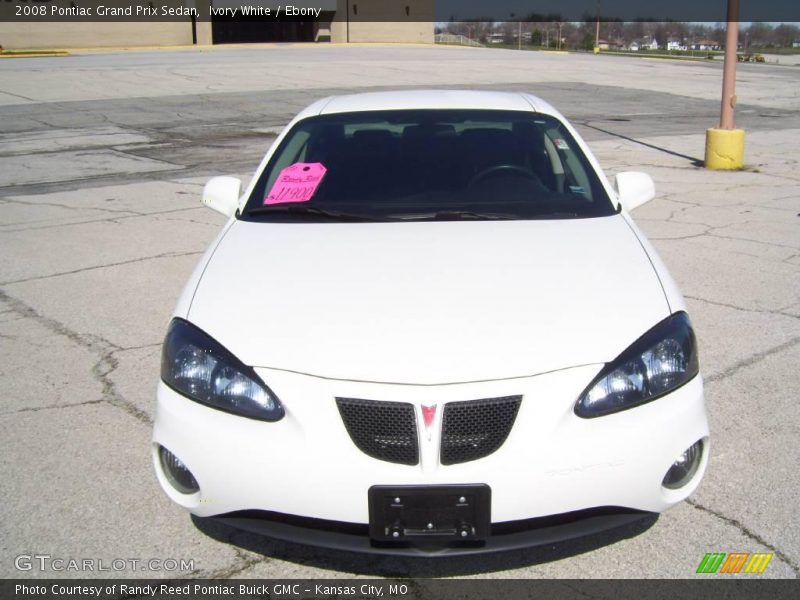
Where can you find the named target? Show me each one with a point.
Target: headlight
(660, 361)
(196, 365)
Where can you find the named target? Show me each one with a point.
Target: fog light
(176, 472)
(683, 469)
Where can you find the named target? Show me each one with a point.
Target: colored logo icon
(734, 562)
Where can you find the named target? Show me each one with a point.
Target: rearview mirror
(222, 194)
(634, 189)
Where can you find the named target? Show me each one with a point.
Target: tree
(785, 34)
(634, 31)
(759, 34)
(718, 34)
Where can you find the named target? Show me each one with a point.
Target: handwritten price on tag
(296, 183)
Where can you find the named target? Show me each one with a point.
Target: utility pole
(729, 70)
(519, 31)
(347, 10)
(725, 145)
(597, 31)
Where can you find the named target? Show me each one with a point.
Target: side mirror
(222, 194)
(634, 189)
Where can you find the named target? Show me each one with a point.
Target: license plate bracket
(442, 513)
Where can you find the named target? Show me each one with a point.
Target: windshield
(420, 165)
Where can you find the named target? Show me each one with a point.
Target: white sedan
(429, 325)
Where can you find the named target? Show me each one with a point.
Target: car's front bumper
(552, 462)
(515, 535)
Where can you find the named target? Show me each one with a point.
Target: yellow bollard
(596, 50)
(724, 149)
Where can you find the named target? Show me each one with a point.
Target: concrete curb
(216, 47)
(35, 54)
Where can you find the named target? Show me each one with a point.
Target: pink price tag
(296, 183)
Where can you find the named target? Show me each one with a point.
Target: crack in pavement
(748, 533)
(51, 407)
(69, 207)
(744, 239)
(183, 220)
(96, 267)
(751, 360)
(758, 311)
(787, 307)
(242, 562)
(106, 364)
(710, 230)
(102, 370)
(127, 348)
(7, 93)
(132, 215)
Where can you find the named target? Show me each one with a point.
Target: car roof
(430, 99)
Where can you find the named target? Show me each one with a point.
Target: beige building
(342, 21)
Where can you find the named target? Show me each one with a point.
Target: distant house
(676, 45)
(705, 45)
(611, 45)
(796, 44)
(496, 38)
(643, 44)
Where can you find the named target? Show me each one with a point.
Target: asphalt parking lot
(103, 159)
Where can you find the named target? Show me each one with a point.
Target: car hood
(428, 302)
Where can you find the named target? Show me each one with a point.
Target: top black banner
(623, 10)
(436, 11)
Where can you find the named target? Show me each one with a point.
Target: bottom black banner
(369, 589)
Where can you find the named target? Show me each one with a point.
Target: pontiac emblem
(428, 416)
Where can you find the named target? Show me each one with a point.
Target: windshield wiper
(457, 215)
(307, 211)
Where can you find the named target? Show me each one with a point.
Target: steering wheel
(516, 169)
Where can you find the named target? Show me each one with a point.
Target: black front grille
(383, 430)
(476, 428)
